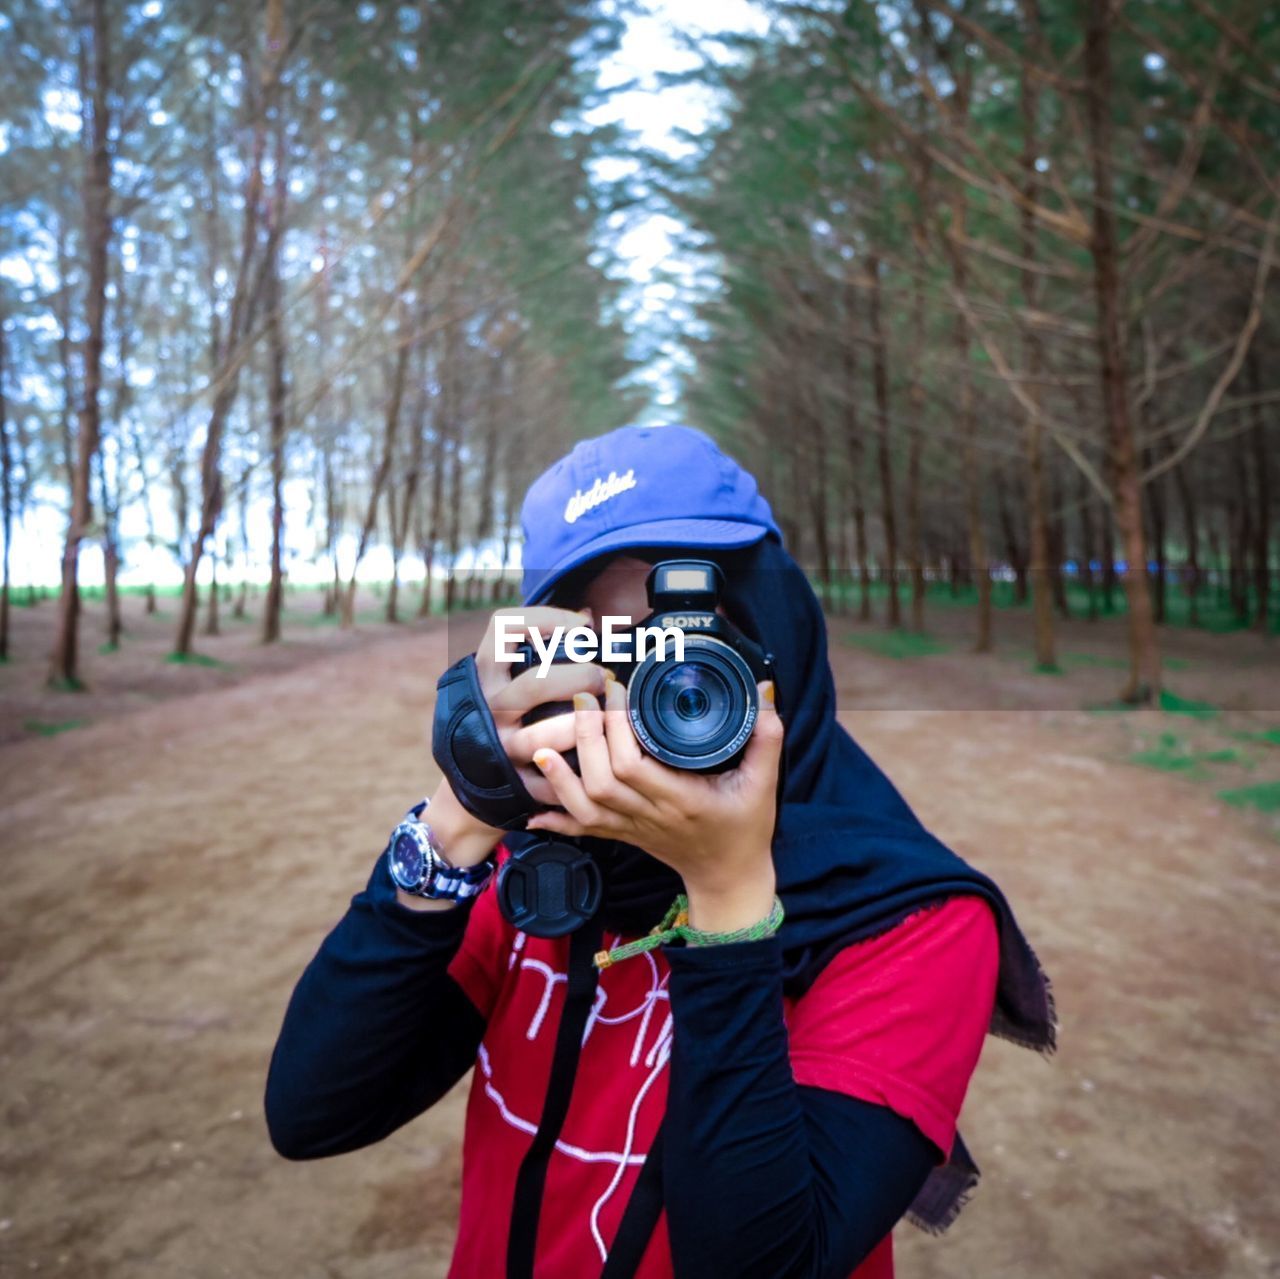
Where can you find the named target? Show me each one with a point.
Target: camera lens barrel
(694, 714)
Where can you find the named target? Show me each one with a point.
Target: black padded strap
(466, 746)
(580, 993)
(640, 1217)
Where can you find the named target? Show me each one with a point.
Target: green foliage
(899, 644)
(1173, 755)
(60, 685)
(196, 659)
(50, 728)
(1264, 796)
(1172, 704)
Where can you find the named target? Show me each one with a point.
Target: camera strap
(639, 1218)
(580, 995)
(466, 746)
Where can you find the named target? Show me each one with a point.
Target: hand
(510, 699)
(716, 830)
(463, 840)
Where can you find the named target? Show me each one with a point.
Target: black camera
(690, 674)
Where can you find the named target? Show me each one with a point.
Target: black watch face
(407, 860)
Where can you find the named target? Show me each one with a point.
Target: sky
(656, 290)
(659, 278)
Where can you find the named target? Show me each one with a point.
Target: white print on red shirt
(654, 1061)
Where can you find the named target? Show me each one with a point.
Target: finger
(557, 823)
(537, 785)
(598, 778)
(568, 787)
(558, 732)
(631, 765)
(518, 625)
(531, 688)
(764, 747)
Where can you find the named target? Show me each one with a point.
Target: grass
(901, 645)
(47, 728)
(61, 685)
(195, 659)
(1268, 737)
(1171, 755)
(1264, 796)
(1171, 703)
(1215, 612)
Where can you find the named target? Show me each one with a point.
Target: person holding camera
(722, 992)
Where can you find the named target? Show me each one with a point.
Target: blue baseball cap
(637, 486)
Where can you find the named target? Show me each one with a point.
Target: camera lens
(696, 713)
(692, 703)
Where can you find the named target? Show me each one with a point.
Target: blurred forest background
(983, 291)
(297, 296)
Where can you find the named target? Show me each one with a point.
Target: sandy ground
(171, 866)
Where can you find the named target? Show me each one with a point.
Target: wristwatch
(417, 863)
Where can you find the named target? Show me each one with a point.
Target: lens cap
(549, 888)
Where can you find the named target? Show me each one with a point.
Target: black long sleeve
(764, 1178)
(375, 1031)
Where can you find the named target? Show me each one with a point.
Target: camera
(693, 712)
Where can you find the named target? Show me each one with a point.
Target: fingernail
(768, 691)
(542, 758)
(585, 702)
(609, 677)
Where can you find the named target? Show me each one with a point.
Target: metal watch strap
(454, 882)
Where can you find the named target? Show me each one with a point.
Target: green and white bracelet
(675, 923)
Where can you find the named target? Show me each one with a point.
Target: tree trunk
(244, 305)
(1240, 539)
(6, 494)
(391, 426)
(1013, 548)
(1262, 479)
(63, 665)
(978, 558)
(435, 515)
(915, 443)
(1108, 561)
(880, 380)
(211, 606)
(1057, 544)
(1145, 677)
(276, 405)
(1191, 531)
(1038, 530)
(856, 453)
(110, 558)
(62, 307)
(1156, 516)
(1088, 544)
(488, 477)
(818, 505)
(455, 522)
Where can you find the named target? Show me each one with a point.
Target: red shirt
(897, 1020)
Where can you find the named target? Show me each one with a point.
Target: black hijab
(852, 858)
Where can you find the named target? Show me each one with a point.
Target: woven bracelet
(675, 923)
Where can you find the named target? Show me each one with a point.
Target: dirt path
(168, 874)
